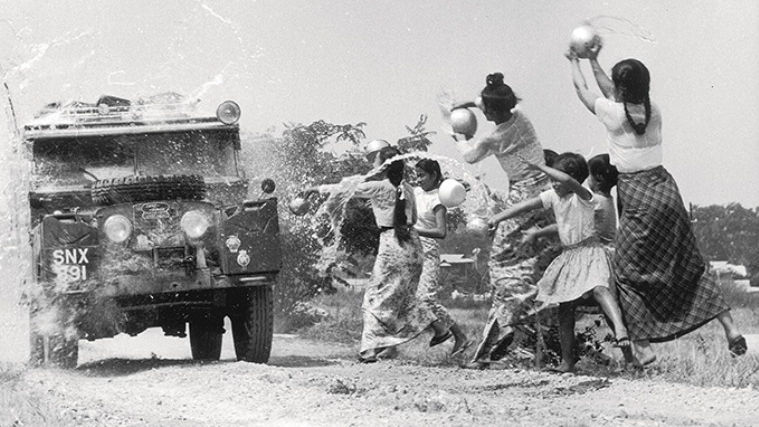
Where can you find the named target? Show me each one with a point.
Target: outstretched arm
(467, 104)
(515, 210)
(557, 175)
(587, 97)
(473, 150)
(542, 232)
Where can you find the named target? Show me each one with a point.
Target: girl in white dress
(583, 268)
(431, 225)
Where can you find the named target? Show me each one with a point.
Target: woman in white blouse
(663, 290)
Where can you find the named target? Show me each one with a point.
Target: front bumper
(168, 282)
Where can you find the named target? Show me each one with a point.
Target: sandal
(456, 351)
(557, 370)
(501, 349)
(476, 365)
(737, 346)
(641, 364)
(625, 345)
(439, 339)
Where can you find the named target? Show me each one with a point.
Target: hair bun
(495, 79)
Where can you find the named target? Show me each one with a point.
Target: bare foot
(563, 368)
(388, 353)
(643, 354)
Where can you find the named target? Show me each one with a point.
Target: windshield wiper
(88, 173)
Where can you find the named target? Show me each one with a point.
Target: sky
(386, 63)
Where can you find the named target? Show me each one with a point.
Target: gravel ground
(149, 380)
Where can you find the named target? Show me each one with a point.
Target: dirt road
(149, 380)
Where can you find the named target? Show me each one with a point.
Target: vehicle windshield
(63, 162)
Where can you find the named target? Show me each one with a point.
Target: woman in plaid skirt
(663, 290)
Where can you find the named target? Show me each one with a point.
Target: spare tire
(148, 188)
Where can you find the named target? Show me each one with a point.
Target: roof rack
(112, 115)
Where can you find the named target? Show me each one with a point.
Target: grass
(699, 358)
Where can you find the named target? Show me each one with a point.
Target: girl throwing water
(583, 268)
(663, 290)
(391, 312)
(431, 226)
(512, 272)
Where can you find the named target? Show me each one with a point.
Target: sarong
(391, 312)
(429, 283)
(513, 271)
(663, 290)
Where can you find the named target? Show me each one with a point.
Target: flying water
(329, 218)
(607, 25)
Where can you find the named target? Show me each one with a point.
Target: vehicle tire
(52, 349)
(253, 325)
(147, 188)
(206, 331)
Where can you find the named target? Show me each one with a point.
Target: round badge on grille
(243, 259)
(233, 244)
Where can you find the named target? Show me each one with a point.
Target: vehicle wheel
(52, 349)
(206, 331)
(148, 188)
(253, 325)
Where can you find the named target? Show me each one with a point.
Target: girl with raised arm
(664, 290)
(512, 271)
(391, 312)
(583, 269)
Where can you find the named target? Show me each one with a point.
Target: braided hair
(632, 80)
(394, 174)
(497, 95)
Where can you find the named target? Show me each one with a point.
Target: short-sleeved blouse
(628, 151)
(574, 216)
(426, 202)
(382, 196)
(513, 139)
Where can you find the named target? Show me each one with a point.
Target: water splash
(606, 25)
(330, 216)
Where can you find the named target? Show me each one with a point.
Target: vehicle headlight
(228, 112)
(117, 228)
(194, 224)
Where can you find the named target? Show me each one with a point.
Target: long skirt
(429, 283)
(663, 290)
(514, 272)
(391, 312)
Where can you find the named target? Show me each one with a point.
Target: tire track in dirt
(122, 382)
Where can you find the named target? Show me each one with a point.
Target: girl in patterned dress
(391, 312)
(431, 226)
(583, 268)
(664, 289)
(512, 272)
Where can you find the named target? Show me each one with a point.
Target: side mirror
(268, 186)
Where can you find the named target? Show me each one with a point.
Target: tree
(299, 159)
(728, 232)
(417, 139)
